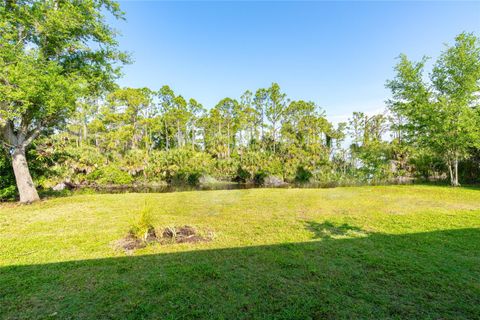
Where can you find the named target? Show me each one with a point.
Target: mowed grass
(399, 252)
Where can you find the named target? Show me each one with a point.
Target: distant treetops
(61, 109)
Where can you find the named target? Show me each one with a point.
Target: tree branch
(32, 135)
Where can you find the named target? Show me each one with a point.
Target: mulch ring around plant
(169, 235)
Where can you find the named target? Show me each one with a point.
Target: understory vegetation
(384, 252)
(64, 119)
(141, 137)
(376, 216)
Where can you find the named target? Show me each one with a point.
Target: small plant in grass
(143, 226)
(141, 231)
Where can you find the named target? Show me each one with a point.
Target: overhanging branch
(32, 135)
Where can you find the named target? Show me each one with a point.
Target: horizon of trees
(62, 110)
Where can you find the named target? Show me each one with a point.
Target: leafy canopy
(51, 53)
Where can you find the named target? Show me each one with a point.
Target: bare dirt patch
(129, 242)
(169, 235)
(184, 234)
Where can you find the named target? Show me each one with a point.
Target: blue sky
(338, 54)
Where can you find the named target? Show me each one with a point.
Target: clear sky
(338, 54)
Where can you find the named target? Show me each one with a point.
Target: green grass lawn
(365, 252)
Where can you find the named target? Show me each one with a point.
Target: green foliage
(8, 193)
(134, 162)
(143, 221)
(303, 175)
(375, 161)
(52, 54)
(69, 158)
(42, 167)
(126, 135)
(110, 175)
(441, 116)
(253, 166)
(225, 169)
(178, 165)
(426, 163)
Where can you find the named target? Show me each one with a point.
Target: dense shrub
(375, 165)
(254, 166)
(303, 175)
(301, 164)
(178, 166)
(110, 175)
(8, 190)
(426, 164)
(8, 193)
(225, 169)
(134, 162)
(469, 169)
(77, 164)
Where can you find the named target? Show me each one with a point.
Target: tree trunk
(193, 137)
(274, 134)
(178, 134)
(453, 171)
(85, 131)
(228, 140)
(167, 144)
(26, 188)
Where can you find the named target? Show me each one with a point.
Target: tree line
(62, 110)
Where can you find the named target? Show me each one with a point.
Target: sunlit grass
(297, 237)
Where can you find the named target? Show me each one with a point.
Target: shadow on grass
(426, 275)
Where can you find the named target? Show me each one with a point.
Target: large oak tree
(52, 52)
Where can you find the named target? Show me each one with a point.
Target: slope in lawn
(384, 252)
